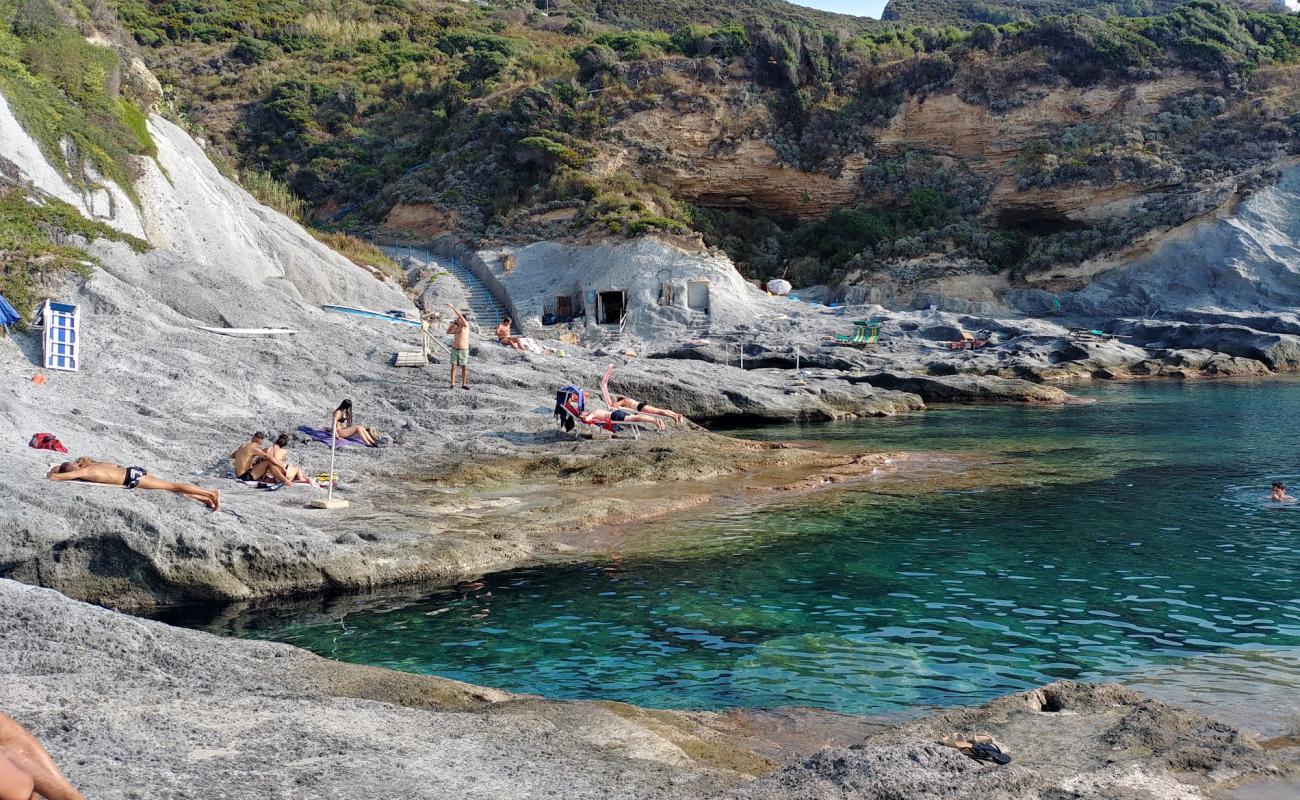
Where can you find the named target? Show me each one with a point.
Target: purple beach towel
(323, 436)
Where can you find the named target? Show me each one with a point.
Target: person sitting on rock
(252, 464)
(109, 474)
(345, 426)
(1279, 493)
(621, 415)
(505, 338)
(26, 769)
(278, 454)
(621, 401)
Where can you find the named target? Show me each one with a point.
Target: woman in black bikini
(345, 427)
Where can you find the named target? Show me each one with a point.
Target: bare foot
(216, 501)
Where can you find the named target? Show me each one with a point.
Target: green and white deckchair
(865, 331)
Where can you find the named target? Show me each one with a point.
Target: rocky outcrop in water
(1066, 740)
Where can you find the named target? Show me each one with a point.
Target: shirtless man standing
(504, 337)
(252, 463)
(459, 330)
(109, 474)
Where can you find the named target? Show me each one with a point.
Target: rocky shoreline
(132, 708)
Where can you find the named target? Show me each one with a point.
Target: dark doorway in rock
(611, 306)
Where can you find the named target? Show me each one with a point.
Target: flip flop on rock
(981, 747)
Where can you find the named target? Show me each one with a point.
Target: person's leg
(21, 749)
(272, 472)
(453, 371)
(648, 418)
(15, 783)
(464, 374)
(662, 412)
(209, 498)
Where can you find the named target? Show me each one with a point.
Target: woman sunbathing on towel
(622, 415)
(345, 427)
(645, 408)
(90, 471)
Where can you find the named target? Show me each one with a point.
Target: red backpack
(46, 441)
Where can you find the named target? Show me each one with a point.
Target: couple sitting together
(253, 462)
(571, 401)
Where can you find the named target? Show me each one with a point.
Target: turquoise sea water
(1138, 546)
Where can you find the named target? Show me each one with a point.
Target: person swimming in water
(1279, 493)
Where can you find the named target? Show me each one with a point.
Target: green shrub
(62, 88)
(32, 257)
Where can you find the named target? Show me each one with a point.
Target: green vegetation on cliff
(65, 93)
(968, 13)
(34, 251)
(503, 120)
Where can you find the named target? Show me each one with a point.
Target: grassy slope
(485, 113)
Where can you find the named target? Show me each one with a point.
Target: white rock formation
(1247, 261)
(109, 205)
(660, 286)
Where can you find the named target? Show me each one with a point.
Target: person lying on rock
(504, 337)
(622, 415)
(621, 401)
(26, 769)
(1279, 493)
(345, 427)
(253, 464)
(278, 454)
(109, 474)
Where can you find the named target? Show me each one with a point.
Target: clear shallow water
(1145, 553)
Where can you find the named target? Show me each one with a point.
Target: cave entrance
(697, 296)
(611, 307)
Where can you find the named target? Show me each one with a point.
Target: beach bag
(46, 441)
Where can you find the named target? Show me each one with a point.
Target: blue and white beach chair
(62, 322)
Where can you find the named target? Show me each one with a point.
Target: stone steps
(484, 310)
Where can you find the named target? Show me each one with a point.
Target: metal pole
(334, 443)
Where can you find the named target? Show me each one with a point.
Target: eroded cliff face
(711, 144)
(708, 144)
